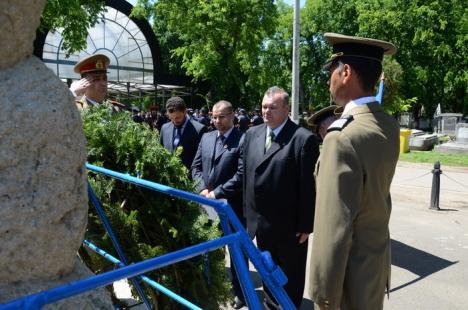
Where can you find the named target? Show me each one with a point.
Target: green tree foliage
(243, 46)
(220, 39)
(274, 61)
(431, 37)
(149, 223)
(75, 17)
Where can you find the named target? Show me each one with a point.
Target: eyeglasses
(221, 116)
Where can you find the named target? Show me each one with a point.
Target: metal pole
(295, 65)
(435, 191)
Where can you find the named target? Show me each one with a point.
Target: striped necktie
(219, 145)
(269, 140)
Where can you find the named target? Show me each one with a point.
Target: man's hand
(78, 88)
(204, 192)
(302, 237)
(211, 195)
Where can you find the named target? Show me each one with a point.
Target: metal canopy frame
(136, 71)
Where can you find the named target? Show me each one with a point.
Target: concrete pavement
(429, 248)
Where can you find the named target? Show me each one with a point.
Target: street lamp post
(295, 65)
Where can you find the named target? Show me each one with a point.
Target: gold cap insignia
(99, 64)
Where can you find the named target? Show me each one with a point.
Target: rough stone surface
(97, 299)
(43, 197)
(42, 178)
(18, 23)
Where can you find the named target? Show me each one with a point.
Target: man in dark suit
(279, 189)
(243, 120)
(215, 169)
(181, 131)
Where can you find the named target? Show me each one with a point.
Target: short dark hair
(223, 104)
(368, 70)
(174, 104)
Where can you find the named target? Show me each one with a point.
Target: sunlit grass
(432, 156)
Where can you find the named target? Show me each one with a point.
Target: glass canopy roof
(116, 36)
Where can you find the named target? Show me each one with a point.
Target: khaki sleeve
(339, 192)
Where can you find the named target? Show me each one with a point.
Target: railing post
(435, 191)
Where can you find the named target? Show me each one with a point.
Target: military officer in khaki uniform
(350, 261)
(322, 119)
(91, 89)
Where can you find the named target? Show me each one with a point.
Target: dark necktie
(219, 145)
(269, 140)
(177, 137)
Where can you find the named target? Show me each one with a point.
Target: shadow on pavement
(416, 261)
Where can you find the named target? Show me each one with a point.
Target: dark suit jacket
(191, 136)
(220, 174)
(279, 186)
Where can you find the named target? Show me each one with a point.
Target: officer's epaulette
(340, 123)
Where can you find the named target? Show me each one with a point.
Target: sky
(290, 2)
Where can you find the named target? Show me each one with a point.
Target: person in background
(278, 159)
(203, 117)
(350, 261)
(136, 115)
(257, 118)
(181, 131)
(243, 121)
(322, 119)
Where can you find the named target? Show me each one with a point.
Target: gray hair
(277, 90)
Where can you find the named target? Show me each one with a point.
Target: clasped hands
(208, 194)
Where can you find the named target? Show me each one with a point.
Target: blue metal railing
(100, 211)
(237, 240)
(380, 92)
(145, 279)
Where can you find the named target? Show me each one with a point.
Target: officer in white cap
(350, 260)
(91, 89)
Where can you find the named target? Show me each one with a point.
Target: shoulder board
(340, 123)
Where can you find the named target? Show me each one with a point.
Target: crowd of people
(156, 118)
(282, 188)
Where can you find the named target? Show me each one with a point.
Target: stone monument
(43, 196)
(445, 123)
(460, 144)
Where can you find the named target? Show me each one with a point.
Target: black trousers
(235, 280)
(291, 257)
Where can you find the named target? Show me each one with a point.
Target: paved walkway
(429, 248)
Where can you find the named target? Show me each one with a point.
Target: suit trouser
(291, 257)
(235, 280)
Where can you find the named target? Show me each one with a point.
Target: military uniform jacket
(350, 261)
(82, 103)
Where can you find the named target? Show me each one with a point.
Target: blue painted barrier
(145, 279)
(238, 241)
